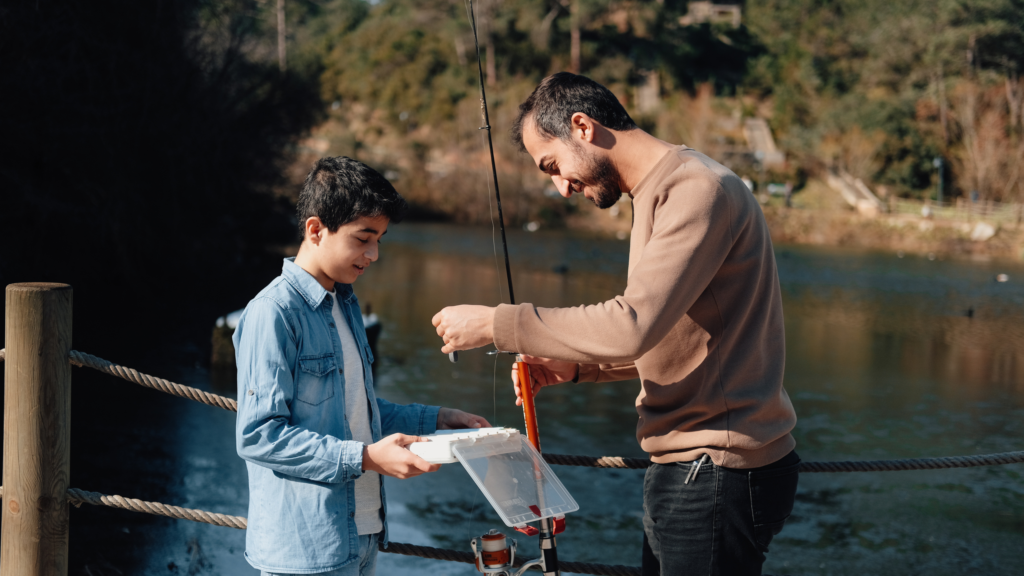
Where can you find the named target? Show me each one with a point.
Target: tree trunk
(940, 85)
(574, 37)
(281, 60)
(492, 73)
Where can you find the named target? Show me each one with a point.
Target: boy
(309, 425)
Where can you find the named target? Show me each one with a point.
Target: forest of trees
(875, 87)
(148, 143)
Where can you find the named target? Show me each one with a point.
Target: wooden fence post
(37, 410)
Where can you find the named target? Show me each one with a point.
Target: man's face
(573, 168)
(346, 253)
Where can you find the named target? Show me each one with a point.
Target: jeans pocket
(314, 383)
(772, 493)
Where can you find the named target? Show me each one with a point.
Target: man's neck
(635, 154)
(307, 261)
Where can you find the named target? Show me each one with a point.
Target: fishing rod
(548, 561)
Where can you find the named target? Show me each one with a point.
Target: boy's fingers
(424, 466)
(404, 439)
(437, 318)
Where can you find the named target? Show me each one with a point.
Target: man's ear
(314, 230)
(582, 127)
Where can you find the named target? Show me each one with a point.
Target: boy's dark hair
(561, 95)
(338, 190)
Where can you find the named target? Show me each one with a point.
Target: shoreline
(893, 233)
(838, 226)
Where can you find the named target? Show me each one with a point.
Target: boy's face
(344, 254)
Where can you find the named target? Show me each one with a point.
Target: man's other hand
(544, 372)
(391, 457)
(464, 327)
(452, 419)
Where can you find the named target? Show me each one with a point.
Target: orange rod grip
(529, 409)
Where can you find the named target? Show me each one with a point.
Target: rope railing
(811, 467)
(468, 558)
(78, 497)
(82, 359)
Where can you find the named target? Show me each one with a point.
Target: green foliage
(847, 82)
(401, 59)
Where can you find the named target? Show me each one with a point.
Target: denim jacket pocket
(315, 381)
(772, 493)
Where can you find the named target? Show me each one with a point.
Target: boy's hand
(390, 457)
(452, 419)
(544, 372)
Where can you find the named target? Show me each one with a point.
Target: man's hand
(544, 372)
(391, 457)
(452, 419)
(464, 327)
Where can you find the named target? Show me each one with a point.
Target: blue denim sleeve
(265, 352)
(415, 419)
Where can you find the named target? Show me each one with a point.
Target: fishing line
(494, 391)
(490, 204)
(494, 243)
(501, 298)
(490, 213)
(490, 147)
(548, 526)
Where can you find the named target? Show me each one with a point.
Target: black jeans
(720, 523)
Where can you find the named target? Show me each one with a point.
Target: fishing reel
(496, 554)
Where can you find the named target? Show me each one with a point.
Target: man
(700, 324)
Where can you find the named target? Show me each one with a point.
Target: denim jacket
(291, 428)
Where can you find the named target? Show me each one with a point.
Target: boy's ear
(314, 229)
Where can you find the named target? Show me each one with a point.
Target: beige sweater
(700, 322)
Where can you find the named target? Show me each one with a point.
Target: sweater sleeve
(690, 239)
(607, 372)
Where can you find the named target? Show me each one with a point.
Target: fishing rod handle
(529, 408)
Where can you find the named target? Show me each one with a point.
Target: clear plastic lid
(515, 478)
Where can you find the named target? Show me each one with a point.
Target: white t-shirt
(357, 412)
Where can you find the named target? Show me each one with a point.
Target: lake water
(884, 360)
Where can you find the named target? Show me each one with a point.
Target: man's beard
(601, 177)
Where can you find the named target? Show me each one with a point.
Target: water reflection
(883, 361)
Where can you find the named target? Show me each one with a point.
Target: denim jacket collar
(308, 286)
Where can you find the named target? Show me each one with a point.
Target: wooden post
(37, 410)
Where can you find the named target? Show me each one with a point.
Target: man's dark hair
(338, 190)
(561, 95)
